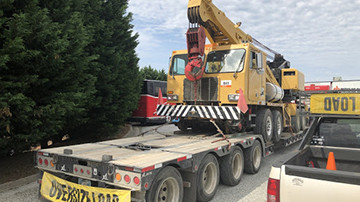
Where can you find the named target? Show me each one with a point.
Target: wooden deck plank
(76, 148)
(149, 158)
(170, 141)
(96, 155)
(203, 145)
(196, 148)
(133, 140)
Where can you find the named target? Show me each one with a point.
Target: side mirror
(259, 60)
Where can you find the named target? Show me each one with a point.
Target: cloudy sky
(321, 38)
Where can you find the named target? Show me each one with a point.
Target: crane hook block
(195, 38)
(194, 70)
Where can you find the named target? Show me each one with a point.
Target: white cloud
(320, 37)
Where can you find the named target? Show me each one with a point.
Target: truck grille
(207, 89)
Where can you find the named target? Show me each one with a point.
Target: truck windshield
(340, 132)
(225, 61)
(178, 64)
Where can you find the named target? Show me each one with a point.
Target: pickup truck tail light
(273, 190)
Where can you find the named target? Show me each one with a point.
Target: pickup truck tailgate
(325, 185)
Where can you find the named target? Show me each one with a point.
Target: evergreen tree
(118, 82)
(29, 45)
(45, 80)
(149, 73)
(73, 83)
(162, 75)
(66, 67)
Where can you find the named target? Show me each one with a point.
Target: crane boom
(218, 28)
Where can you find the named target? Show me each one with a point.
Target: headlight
(172, 97)
(233, 97)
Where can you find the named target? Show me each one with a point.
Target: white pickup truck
(303, 175)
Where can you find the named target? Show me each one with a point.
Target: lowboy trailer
(150, 168)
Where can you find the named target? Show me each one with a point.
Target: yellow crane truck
(230, 81)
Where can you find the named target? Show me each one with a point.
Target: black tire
(182, 125)
(264, 124)
(295, 122)
(208, 178)
(232, 127)
(278, 125)
(232, 167)
(167, 186)
(253, 157)
(197, 127)
(302, 122)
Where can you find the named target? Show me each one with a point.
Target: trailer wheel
(182, 126)
(278, 125)
(232, 167)
(264, 124)
(208, 178)
(303, 122)
(197, 127)
(253, 158)
(295, 122)
(167, 186)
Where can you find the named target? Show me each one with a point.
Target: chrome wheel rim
(168, 191)
(237, 165)
(268, 126)
(278, 124)
(209, 178)
(257, 157)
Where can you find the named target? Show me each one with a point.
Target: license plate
(84, 182)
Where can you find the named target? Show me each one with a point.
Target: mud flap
(189, 179)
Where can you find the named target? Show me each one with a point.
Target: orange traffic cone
(331, 162)
(160, 98)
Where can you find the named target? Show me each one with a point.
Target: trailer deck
(142, 152)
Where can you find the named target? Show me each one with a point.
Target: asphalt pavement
(23, 193)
